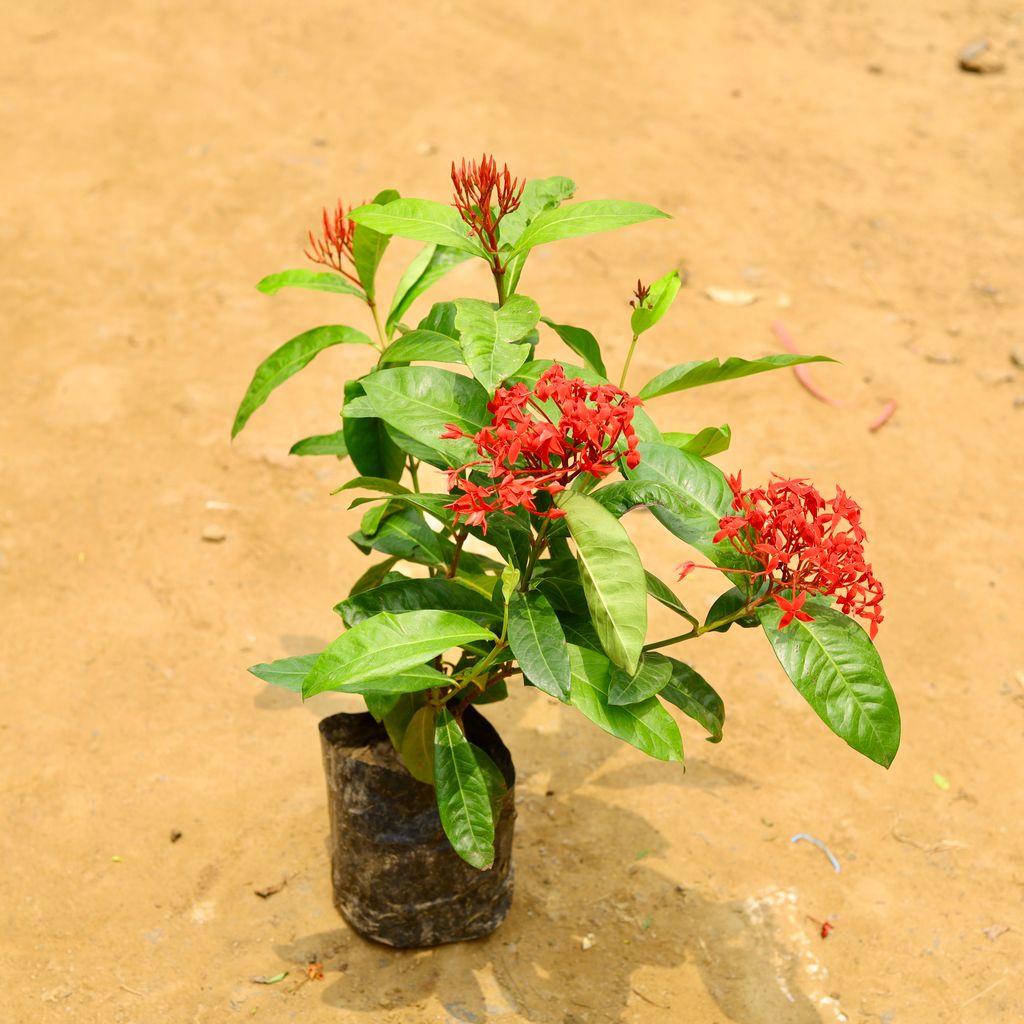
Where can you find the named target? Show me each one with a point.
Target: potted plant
(495, 492)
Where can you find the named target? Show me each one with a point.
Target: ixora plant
(539, 463)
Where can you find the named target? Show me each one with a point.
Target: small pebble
(588, 941)
(1017, 356)
(943, 358)
(977, 58)
(213, 534)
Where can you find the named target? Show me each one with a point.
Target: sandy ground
(159, 158)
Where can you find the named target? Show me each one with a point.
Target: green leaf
(559, 581)
(291, 357)
(315, 280)
(410, 680)
(420, 401)
(612, 577)
(418, 745)
(388, 644)
(728, 604)
(837, 670)
(710, 441)
(691, 693)
(711, 371)
(421, 219)
(397, 719)
(373, 576)
(371, 450)
(646, 725)
(373, 483)
(407, 535)
(582, 342)
(538, 643)
(415, 595)
(321, 444)
(380, 705)
(440, 320)
(702, 495)
(539, 194)
(429, 266)
(510, 577)
(650, 678)
(425, 346)
(463, 797)
(584, 218)
(487, 335)
(656, 305)
(368, 246)
(496, 787)
(287, 673)
(662, 593)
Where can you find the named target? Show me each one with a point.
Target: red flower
(539, 441)
(792, 609)
(478, 190)
(806, 544)
(336, 245)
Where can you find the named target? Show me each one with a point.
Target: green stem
(708, 628)
(499, 283)
(535, 552)
(380, 327)
(629, 359)
(414, 473)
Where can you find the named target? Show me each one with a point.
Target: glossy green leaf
(287, 673)
(291, 357)
(539, 194)
(728, 604)
(415, 595)
(584, 218)
(314, 280)
(387, 644)
(440, 319)
(487, 335)
(371, 450)
(397, 719)
(711, 371)
(418, 745)
(646, 725)
(663, 594)
(422, 346)
(612, 577)
(463, 797)
(373, 576)
(420, 401)
(559, 581)
(407, 535)
(510, 577)
(380, 705)
(373, 483)
(710, 441)
(657, 303)
(368, 246)
(410, 680)
(582, 342)
(703, 497)
(650, 678)
(690, 692)
(837, 670)
(538, 643)
(420, 219)
(321, 444)
(429, 266)
(496, 786)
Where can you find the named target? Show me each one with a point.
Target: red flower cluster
(806, 544)
(476, 189)
(336, 244)
(527, 452)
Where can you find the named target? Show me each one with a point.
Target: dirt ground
(159, 158)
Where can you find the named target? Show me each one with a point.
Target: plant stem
(499, 283)
(708, 628)
(414, 473)
(629, 359)
(535, 552)
(380, 327)
(459, 541)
